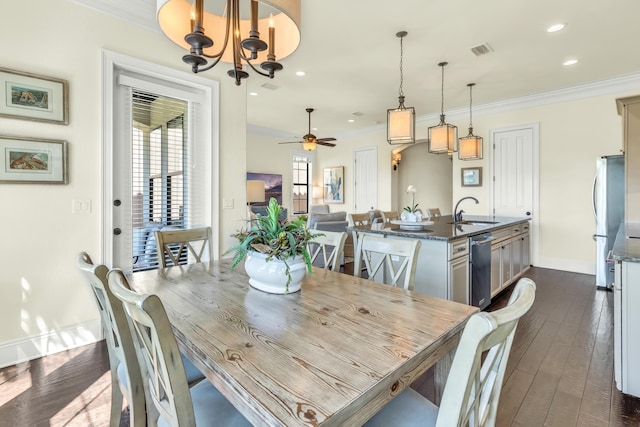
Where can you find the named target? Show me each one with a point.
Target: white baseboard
(567, 265)
(24, 349)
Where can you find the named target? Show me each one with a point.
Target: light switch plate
(81, 206)
(227, 203)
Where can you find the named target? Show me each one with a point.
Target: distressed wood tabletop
(331, 354)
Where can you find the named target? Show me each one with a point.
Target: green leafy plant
(281, 240)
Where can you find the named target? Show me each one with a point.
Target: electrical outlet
(227, 203)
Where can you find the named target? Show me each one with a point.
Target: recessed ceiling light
(253, 93)
(351, 120)
(554, 28)
(314, 128)
(570, 62)
(300, 73)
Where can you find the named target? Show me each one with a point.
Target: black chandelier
(184, 23)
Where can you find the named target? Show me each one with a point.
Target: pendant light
(443, 138)
(401, 121)
(470, 145)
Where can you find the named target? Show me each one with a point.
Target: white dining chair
(170, 401)
(331, 245)
(177, 244)
(126, 381)
(472, 391)
(376, 255)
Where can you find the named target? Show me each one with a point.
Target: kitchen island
(443, 268)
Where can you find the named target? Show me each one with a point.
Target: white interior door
(365, 179)
(515, 176)
(513, 172)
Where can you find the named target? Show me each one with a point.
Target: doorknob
(117, 231)
(117, 202)
(528, 213)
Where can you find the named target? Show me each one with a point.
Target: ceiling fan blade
(326, 144)
(326, 139)
(291, 142)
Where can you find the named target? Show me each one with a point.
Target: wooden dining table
(332, 354)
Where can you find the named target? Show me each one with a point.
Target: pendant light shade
(470, 145)
(443, 138)
(401, 121)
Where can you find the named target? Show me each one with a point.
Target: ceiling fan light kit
(401, 121)
(184, 23)
(470, 145)
(309, 141)
(443, 138)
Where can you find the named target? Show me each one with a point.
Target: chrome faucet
(457, 216)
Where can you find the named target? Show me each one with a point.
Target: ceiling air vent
(270, 86)
(481, 49)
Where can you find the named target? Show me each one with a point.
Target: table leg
(442, 368)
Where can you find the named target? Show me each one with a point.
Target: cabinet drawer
(458, 248)
(519, 229)
(500, 235)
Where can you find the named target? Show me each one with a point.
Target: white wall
(44, 304)
(430, 174)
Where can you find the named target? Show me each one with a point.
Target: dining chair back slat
(177, 244)
(166, 383)
(388, 216)
(331, 245)
(378, 252)
(472, 391)
(126, 380)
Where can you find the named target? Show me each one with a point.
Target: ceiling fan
(309, 141)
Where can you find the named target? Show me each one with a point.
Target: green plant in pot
(275, 251)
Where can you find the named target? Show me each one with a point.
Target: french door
(161, 165)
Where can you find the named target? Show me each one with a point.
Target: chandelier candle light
(470, 145)
(184, 23)
(443, 137)
(401, 121)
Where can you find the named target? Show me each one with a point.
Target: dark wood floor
(560, 371)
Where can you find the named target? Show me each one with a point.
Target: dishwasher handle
(483, 240)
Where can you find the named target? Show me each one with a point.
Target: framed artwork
(471, 177)
(272, 186)
(31, 160)
(31, 97)
(334, 184)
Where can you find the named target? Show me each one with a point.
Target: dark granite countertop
(443, 229)
(627, 244)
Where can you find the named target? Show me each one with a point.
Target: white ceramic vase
(271, 276)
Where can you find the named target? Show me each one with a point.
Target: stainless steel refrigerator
(608, 209)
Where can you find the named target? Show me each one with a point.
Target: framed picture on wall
(471, 177)
(32, 97)
(272, 186)
(333, 184)
(35, 161)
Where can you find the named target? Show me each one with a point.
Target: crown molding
(616, 85)
(139, 12)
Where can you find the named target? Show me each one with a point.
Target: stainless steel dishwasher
(481, 270)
